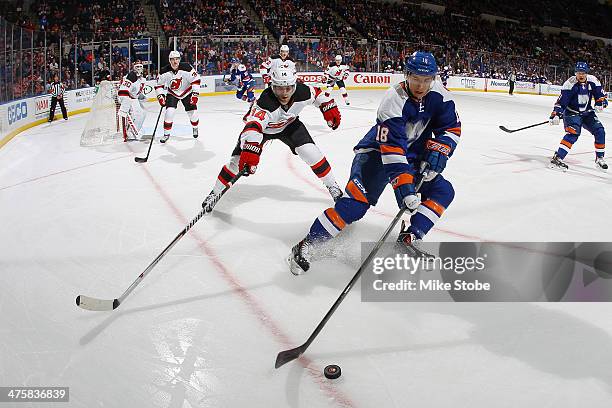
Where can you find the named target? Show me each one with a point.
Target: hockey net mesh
(102, 125)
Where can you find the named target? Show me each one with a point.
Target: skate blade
(557, 168)
(293, 267)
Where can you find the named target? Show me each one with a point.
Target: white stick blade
(97, 305)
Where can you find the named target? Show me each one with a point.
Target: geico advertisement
(16, 112)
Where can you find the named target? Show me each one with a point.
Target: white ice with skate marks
(205, 326)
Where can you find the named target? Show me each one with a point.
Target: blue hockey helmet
(235, 60)
(422, 63)
(582, 66)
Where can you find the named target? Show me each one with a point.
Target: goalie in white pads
(130, 96)
(335, 74)
(275, 116)
(178, 82)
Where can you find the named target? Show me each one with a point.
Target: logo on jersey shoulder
(175, 84)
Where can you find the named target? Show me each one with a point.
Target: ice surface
(204, 328)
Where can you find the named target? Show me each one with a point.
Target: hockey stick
(505, 129)
(144, 159)
(89, 303)
(289, 355)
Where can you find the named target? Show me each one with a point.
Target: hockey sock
(193, 118)
(344, 94)
(428, 213)
(326, 226)
(167, 127)
(600, 150)
(226, 174)
(319, 165)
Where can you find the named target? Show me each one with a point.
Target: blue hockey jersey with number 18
(406, 128)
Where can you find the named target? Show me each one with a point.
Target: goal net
(103, 124)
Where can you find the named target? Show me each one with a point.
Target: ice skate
(556, 163)
(601, 164)
(299, 259)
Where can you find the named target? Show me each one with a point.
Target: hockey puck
(332, 371)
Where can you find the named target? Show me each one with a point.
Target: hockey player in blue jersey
(417, 127)
(574, 107)
(246, 82)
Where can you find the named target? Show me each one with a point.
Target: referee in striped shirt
(57, 90)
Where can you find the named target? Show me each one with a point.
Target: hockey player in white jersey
(178, 82)
(130, 95)
(275, 116)
(282, 58)
(337, 73)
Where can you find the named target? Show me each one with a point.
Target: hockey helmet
(582, 66)
(283, 81)
(338, 59)
(138, 67)
(421, 63)
(174, 54)
(284, 51)
(283, 76)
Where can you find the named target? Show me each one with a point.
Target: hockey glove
(405, 194)
(436, 157)
(249, 157)
(331, 114)
(601, 104)
(194, 99)
(555, 117)
(162, 100)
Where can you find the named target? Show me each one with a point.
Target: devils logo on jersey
(176, 84)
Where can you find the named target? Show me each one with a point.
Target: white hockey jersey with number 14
(268, 116)
(180, 83)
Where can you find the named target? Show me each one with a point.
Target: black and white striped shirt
(57, 89)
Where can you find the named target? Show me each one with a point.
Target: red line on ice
(253, 304)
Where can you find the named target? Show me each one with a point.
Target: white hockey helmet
(174, 54)
(338, 58)
(283, 81)
(283, 76)
(138, 67)
(284, 47)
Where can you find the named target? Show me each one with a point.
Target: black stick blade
(288, 355)
(505, 129)
(140, 159)
(96, 305)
